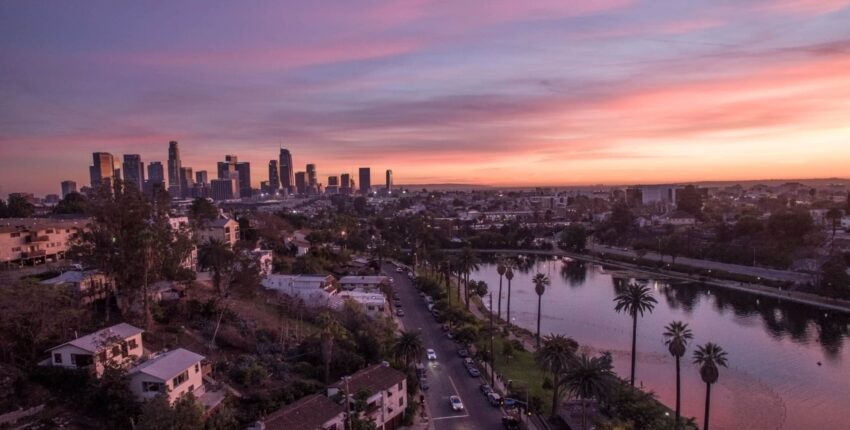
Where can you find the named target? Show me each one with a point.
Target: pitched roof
(372, 379)
(308, 413)
(169, 364)
(94, 341)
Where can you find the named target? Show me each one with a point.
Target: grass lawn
(521, 366)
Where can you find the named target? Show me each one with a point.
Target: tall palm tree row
(509, 275)
(590, 378)
(635, 300)
(677, 335)
(555, 356)
(500, 269)
(408, 346)
(540, 282)
(709, 358)
(468, 262)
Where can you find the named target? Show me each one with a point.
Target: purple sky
(491, 91)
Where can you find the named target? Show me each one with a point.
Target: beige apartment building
(37, 240)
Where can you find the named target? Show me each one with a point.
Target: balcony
(34, 254)
(38, 239)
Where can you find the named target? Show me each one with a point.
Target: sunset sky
(500, 92)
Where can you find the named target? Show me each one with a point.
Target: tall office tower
(389, 181)
(174, 166)
(244, 171)
(287, 178)
(365, 180)
(134, 170)
(224, 189)
(345, 183)
(301, 182)
(333, 185)
(311, 175)
(68, 187)
(227, 168)
(274, 177)
(201, 177)
(187, 181)
(102, 168)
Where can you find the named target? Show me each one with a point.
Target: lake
(788, 363)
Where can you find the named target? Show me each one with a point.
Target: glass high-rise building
(389, 180)
(102, 168)
(274, 177)
(68, 187)
(134, 170)
(301, 182)
(365, 180)
(287, 177)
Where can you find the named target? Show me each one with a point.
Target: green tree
(540, 281)
(834, 216)
(689, 200)
(224, 418)
(73, 203)
(555, 356)
(587, 379)
(19, 207)
(217, 257)
(834, 280)
(330, 331)
(676, 337)
(185, 414)
(201, 212)
(408, 346)
(709, 358)
(110, 397)
(574, 238)
(635, 300)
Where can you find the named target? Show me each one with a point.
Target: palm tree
(589, 378)
(555, 356)
(468, 261)
(500, 268)
(331, 330)
(676, 337)
(709, 357)
(636, 299)
(540, 282)
(509, 274)
(408, 346)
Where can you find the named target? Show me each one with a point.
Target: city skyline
(553, 93)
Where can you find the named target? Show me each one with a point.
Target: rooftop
(372, 379)
(94, 341)
(168, 364)
(308, 413)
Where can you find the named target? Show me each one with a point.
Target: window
(152, 387)
(16, 234)
(116, 350)
(191, 388)
(133, 344)
(399, 385)
(181, 378)
(197, 367)
(81, 360)
(16, 249)
(401, 401)
(57, 358)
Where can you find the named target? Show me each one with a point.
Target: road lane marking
(449, 417)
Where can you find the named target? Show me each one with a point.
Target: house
(223, 229)
(314, 290)
(120, 344)
(363, 283)
(387, 394)
(314, 412)
(173, 373)
(374, 304)
(86, 286)
(37, 240)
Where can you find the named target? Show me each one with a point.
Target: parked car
(495, 399)
(399, 270)
(510, 423)
(457, 405)
(423, 384)
(431, 354)
(398, 304)
(399, 312)
(468, 362)
(473, 372)
(463, 352)
(486, 389)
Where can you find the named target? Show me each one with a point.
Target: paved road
(446, 375)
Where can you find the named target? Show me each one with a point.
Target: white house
(387, 389)
(264, 260)
(223, 229)
(120, 344)
(374, 304)
(314, 290)
(312, 412)
(174, 373)
(362, 283)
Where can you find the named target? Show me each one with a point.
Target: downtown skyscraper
(174, 165)
(102, 168)
(274, 177)
(134, 170)
(365, 180)
(287, 174)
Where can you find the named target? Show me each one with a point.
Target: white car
(457, 405)
(431, 354)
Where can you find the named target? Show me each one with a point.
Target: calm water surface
(789, 364)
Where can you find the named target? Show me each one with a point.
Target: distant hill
(445, 187)
(811, 182)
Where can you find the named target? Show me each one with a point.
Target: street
(446, 376)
